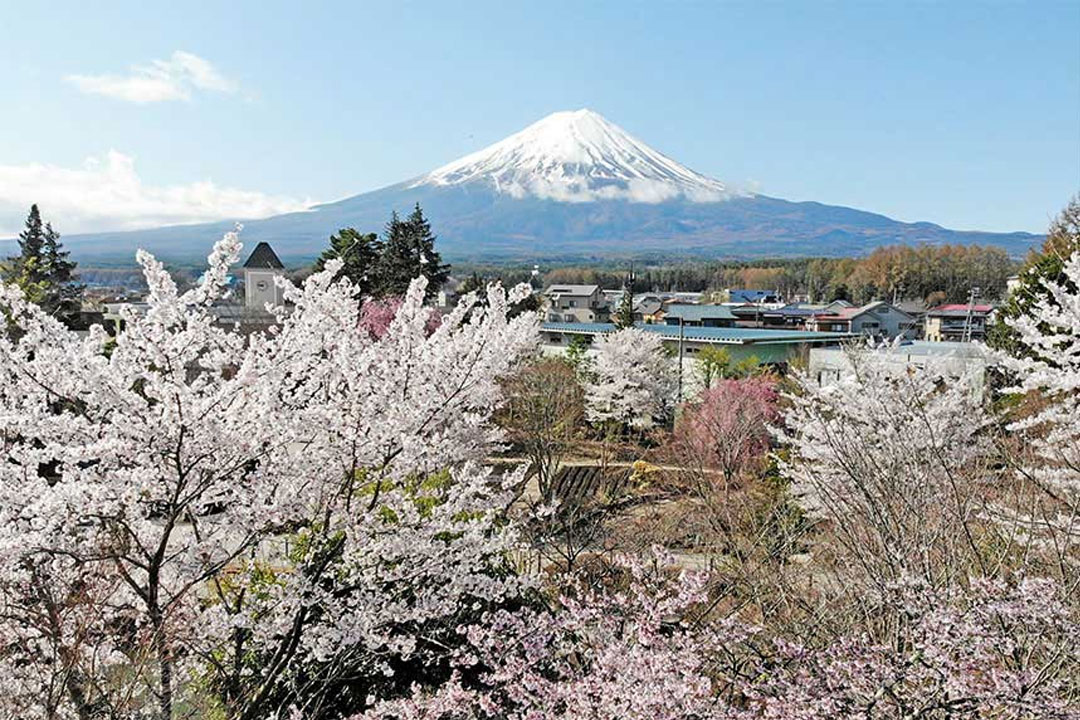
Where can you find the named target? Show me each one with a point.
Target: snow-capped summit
(497, 204)
(578, 156)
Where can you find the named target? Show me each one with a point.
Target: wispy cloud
(106, 193)
(160, 81)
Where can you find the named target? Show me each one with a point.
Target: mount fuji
(571, 186)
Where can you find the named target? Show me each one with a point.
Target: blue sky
(966, 114)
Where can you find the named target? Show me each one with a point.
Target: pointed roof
(263, 256)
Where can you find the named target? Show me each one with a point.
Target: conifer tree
(31, 244)
(43, 269)
(359, 254)
(63, 291)
(409, 252)
(475, 283)
(624, 316)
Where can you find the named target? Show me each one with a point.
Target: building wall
(691, 370)
(577, 308)
(891, 323)
(830, 364)
(943, 329)
(259, 289)
(557, 343)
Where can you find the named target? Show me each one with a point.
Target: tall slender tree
(624, 316)
(409, 252)
(63, 292)
(31, 245)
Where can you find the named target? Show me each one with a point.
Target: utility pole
(680, 356)
(974, 293)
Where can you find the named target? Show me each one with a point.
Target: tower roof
(263, 256)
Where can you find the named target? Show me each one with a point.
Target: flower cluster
(183, 506)
(632, 380)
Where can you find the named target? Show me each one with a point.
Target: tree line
(931, 273)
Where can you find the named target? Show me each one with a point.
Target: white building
(948, 359)
(576, 303)
(262, 266)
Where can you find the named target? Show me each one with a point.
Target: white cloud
(160, 81)
(637, 190)
(106, 193)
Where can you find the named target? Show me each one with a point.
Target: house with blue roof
(699, 315)
(770, 347)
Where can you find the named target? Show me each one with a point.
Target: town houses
(766, 310)
(751, 325)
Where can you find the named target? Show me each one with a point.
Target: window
(260, 285)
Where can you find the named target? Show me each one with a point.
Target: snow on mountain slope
(620, 198)
(578, 156)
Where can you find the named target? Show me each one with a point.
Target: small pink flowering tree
(376, 315)
(727, 427)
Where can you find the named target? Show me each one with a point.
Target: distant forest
(933, 274)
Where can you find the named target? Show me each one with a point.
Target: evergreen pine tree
(392, 270)
(31, 244)
(42, 269)
(408, 252)
(63, 291)
(359, 253)
(624, 316)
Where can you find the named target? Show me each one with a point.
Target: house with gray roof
(576, 303)
(958, 322)
(878, 319)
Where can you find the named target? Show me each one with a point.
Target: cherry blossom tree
(389, 547)
(632, 380)
(727, 427)
(636, 652)
(892, 456)
(182, 507)
(1050, 332)
(997, 649)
